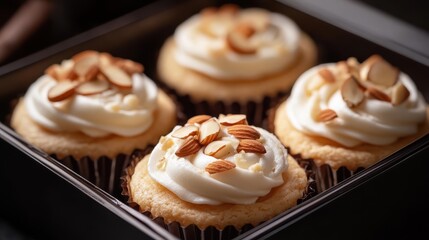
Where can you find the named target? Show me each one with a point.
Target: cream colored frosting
(254, 175)
(120, 112)
(373, 121)
(277, 49)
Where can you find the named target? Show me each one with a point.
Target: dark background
(66, 18)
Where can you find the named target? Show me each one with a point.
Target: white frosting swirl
(254, 175)
(120, 112)
(373, 121)
(276, 49)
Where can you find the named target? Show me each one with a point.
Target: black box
(49, 201)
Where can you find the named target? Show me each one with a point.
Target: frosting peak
(232, 43)
(353, 103)
(213, 162)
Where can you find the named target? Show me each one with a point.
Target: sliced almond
(251, 146)
(189, 146)
(326, 115)
(229, 9)
(377, 94)
(232, 119)
(378, 71)
(106, 59)
(400, 93)
(117, 76)
(239, 43)
(241, 131)
(91, 73)
(185, 131)
(244, 29)
(327, 75)
(199, 119)
(84, 62)
(219, 166)
(218, 149)
(92, 87)
(129, 66)
(209, 131)
(208, 11)
(52, 71)
(351, 93)
(62, 90)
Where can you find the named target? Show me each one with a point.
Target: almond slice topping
(399, 94)
(377, 94)
(229, 8)
(219, 166)
(185, 131)
(209, 131)
(129, 66)
(117, 76)
(239, 43)
(84, 61)
(91, 73)
(62, 90)
(92, 87)
(233, 119)
(326, 115)
(52, 71)
(378, 71)
(190, 146)
(241, 131)
(251, 146)
(327, 75)
(351, 93)
(218, 149)
(199, 119)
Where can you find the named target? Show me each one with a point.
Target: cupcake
(217, 176)
(92, 112)
(234, 60)
(344, 117)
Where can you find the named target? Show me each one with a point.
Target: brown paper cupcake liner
(103, 172)
(192, 231)
(256, 112)
(324, 176)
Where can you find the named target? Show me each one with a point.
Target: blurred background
(28, 26)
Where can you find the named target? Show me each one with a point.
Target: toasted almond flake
(326, 115)
(232, 119)
(382, 73)
(327, 75)
(351, 93)
(91, 73)
(218, 149)
(229, 9)
(189, 146)
(166, 144)
(219, 166)
(378, 71)
(377, 94)
(61, 91)
(129, 66)
(85, 54)
(400, 93)
(239, 43)
(85, 63)
(117, 76)
(52, 71)
(92, 87)
(185, 131)
(106, 59)
(244, 29)
(242, 131)
(198, 119)
(251, 146)
(209, 131)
